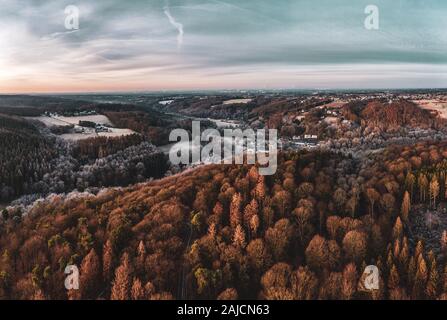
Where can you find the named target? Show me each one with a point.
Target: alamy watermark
(72, 17)
(72, 279)
(372, 19)
(370, 278)
(233, 147)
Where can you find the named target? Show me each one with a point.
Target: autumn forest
(139, 229)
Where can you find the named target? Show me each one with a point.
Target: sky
(157, 45)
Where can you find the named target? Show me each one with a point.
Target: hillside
(24, 156)
(225, 232)
(143, 119)
(392, 115)
(36, 162)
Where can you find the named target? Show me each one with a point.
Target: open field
(61, 121)
(114, 132)
(440, 106)
(234, 101)
(50, 122)
(335, 104)
(97, 118)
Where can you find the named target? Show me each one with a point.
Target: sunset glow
(149, 45)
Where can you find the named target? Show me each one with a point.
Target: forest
(386, 115)
(34, 161)
(24, 154)
(225, 232)
(100, 147)
(150, 124)
(144, 119)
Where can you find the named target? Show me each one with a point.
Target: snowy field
(437, 105)
(61, 121)
(165, 102)
(234, 101)
(115, 132)
(49, 122)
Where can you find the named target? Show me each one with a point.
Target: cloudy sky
(228, 44)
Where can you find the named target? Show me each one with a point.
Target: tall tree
(276, 283)
(420, 281)
(444, 241)
(250, 211)
(279, 238)
(305, 284)
(228, 294)
(406, 205)
(121, 284)
(235, 210)
(434, 189)
(373, 196)
(398, 229)
(349, 282)
(393, 279)
(409, 182)
(322, 254)
(423, 185)
(90, 279)
(137, 292)
(355, 246)
(433, 281)
(260, 189)
(254, 225)
(239, 237)
(141, 257)
(303, 216)
(259, 256)
(108, 261)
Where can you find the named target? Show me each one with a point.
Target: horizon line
(219, 90)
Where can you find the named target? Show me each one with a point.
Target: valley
(361, 180)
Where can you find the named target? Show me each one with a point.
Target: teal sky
(212, 44)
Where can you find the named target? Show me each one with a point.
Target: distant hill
(392, 115)
(144, 120)
(28, 105)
